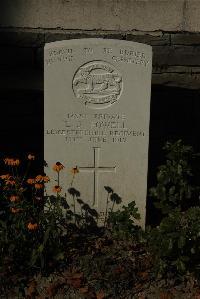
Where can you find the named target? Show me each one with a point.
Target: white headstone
(97, 105)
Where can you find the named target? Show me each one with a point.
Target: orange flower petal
(38, 186)
(32, 226)
(46, 179)
(39, 178)
(31, 181)
(12, 162)
(5, 176)
(10, 182)
(57, 189)
(8, 161)
(58, 167)
(16, 162)
(14, 198)
(15, 210)
(75, 170)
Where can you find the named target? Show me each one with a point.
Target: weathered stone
(184, 80)
(179, 69)
(65, 35)
(191, 16)
(94, 14)
(176, 55)
(57, 36)
(150, 39)
(97, 98)
(185, 39)
(181, 76)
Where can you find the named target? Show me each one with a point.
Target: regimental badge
(97, 84)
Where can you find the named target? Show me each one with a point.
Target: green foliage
(175, 188)
(175, 243)
(122, 222)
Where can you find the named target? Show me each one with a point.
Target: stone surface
(143, 15)
(167, 15)
(185, 39)
(184, 80)
(153, 39)
(192, 11)
(97, 97)
(176, 55)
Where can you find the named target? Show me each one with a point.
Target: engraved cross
(96, 169)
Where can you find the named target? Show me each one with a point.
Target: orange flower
(8, 161)
(46, 179)
(14, 198)
(11, 162)
(5, 176)
(15, 210)
(32, 226)
(11, 181)
(16, 162)
(38, 186)
(58, 167)
(31, 157)
(39, 178)
(57, 189)
(74, 170)
(31, 181)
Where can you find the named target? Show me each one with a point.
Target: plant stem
(74, 209)
(72, 180)
(112, 206)
(58, 179)
(105, 220)
(26, 172)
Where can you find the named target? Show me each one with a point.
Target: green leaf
(3, 224)
(72, 191)
(170, 244)
(115, 198)
(46, 235)
(108, 189)
(181, 266)
(60, 256)
(41, 248)
(181, 242)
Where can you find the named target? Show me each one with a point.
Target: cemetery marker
(96, 116)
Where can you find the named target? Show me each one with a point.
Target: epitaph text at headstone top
(97, 103)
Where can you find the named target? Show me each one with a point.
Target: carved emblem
(97, 84)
